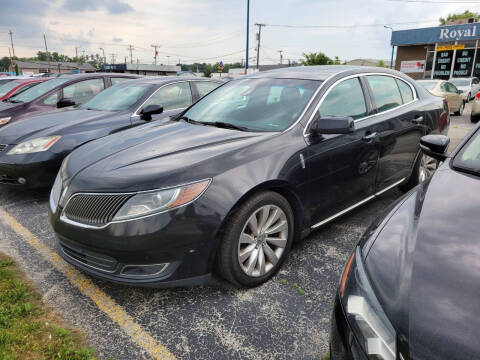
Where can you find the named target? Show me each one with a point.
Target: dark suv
(59, 92)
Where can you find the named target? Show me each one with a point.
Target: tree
(316, 59)
(381, 63)
(5, 64)
(452, 17)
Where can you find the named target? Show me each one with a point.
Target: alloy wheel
(263, 240)
(428, 165)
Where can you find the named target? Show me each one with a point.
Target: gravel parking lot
(274, 321)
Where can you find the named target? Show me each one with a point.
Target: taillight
(448, 105)
(478, 95)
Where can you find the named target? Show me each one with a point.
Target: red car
(15, 86)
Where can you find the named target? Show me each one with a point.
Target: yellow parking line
(104, 302)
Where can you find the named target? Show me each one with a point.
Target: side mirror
(333, 125)
(435, 146)
(149, 110)
(65, 102)
(460, 91)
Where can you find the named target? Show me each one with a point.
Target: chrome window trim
(135, 113)
(415, 97)
(65, 219)
(334, 216)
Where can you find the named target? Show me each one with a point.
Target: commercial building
(367, 62)
(38, 67)
(142, 69)
(440, 52)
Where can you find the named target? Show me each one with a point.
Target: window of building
(385, 92)
(443, 65)
(345, 99)
(463, 63)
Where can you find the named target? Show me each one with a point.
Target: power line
(440, 1)
(350, 26)
(131, 48)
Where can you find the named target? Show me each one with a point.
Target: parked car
(410, 289)
(59, 92)
(14, 87)
(475, 113)
(32, 150)
(448, 91)
(6, 79)
(233, 180)
(469, 86)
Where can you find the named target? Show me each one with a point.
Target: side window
(444, 87)
(51, 100)
(83, 91)
(23, 88)
(474, 81)
(204, 87)
(385, 92)
(345, 99)
(405, 90)
(174, 96)
(118, 80)
(451, 88)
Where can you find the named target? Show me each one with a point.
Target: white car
(469, 86)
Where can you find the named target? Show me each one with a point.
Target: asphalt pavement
(273, 321)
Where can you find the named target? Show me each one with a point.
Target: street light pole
(248, 28)
(104, 58)
(393, 47)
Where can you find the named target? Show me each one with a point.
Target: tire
(474, 118)
(424, 163)
(460, 110)
(234, 268)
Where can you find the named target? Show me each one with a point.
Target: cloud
(117, 40)
(112, 6)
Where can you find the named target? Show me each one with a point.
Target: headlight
(369, 322)
(150, 202)
(5, 120)
(35, 145)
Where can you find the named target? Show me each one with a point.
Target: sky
(213, 30)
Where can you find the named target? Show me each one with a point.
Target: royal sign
(436, 34)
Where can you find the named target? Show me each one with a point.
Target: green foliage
(381, 63)
(25, 332)
(452, 17)
(318, 59)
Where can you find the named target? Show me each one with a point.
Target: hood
(8, 108)
(60, 122)
(152, 156)
(425, 268)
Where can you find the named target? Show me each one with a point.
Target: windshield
(6, 88)
(4, 81)
(255, 104)
(429, 85)
(460, 82)
(117, 98)
(468, 158)
(38, 90)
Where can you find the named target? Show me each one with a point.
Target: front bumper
(184, 239)
(343, 343)
(36, 170)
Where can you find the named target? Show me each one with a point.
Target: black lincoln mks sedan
(411, 287)
(233, 180)
(59, 92)
(32, 150)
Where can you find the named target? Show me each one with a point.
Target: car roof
(167, 79)
(94, 74)
(317, 72)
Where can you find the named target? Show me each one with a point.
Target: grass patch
(30, 330)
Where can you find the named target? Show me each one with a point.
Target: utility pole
(104, 58)
(258, 42)
(112, 57)
(156, 52)
(11, 61)
(46, 50)
(281, 56)
(393, 47)
(11, 41)
(168, 59)
(248, 28)
(131, 48)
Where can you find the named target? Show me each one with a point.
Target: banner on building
(412, 66)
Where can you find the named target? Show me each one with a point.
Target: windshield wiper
(224, 125)
(190, 121)
(15, 101)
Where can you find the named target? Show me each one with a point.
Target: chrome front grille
(94, 209)
(3, 147)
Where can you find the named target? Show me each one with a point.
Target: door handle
(418, 120)
(369, 137)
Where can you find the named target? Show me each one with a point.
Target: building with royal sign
(440, 52)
